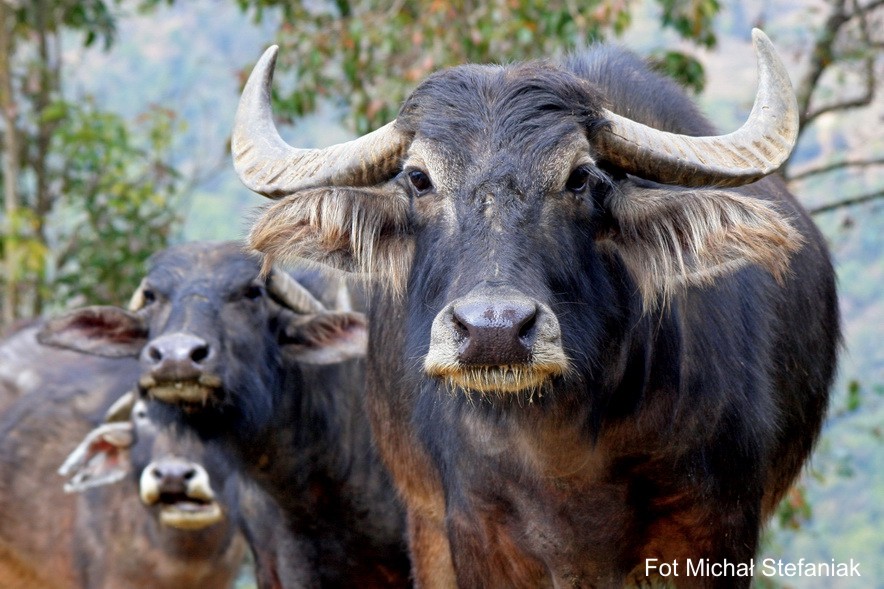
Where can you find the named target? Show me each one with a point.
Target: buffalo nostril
(526, 330)
(154, 354)
(189, 474)
(460, 329)
(199, 354)
(157, 473)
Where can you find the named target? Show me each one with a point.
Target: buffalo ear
(326, 338)
(359, 230)
(101, 458)
(670, 238)
(100, 331)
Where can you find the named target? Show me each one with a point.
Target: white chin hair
(498, 379)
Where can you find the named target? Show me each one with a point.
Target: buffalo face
(171, 468)
(209, 325)
(212, 331)
(495, 326)
(512, 206)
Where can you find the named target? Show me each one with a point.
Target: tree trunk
(10, 169)
(50, 82)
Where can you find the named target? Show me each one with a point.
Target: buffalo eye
(148, 295)
(578, 180)
(420, 181)
(253, 292)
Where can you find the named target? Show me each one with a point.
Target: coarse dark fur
(700, 326)
(298, 430)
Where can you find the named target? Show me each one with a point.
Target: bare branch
(871, 6)
(821, 57)
(815, 171)
(847, 202)
(860, 102)
(868, 65)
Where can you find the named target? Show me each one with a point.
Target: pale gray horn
(121, 409)
(137, 301)
(343, 298)
(290, 293)
(268, 165)
(755, 150)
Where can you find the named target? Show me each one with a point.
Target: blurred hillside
(186, 58)
(191, 57)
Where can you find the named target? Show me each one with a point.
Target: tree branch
(821, 58)
(864, 100)
(835, 166)
(847, 202)
(868, 63)
(870, 7)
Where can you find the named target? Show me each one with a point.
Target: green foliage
(795, 509)
(685, 69)
(118, 200)
(95, 194)
(91, 17)
(692, 19)
(373, 55)
(31, 253)
(854, 398)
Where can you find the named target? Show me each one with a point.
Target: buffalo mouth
(505, 379)
(182, 492)
(185, 512)
(191, 395)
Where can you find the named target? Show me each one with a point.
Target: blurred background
(115, 141)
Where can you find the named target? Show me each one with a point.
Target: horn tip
(761, 40)
(272, 51)
(266, 64)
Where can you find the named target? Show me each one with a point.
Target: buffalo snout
(496, 339)
(494, 332)
(180, 369)
(183, 492)
(172, 476)
(177, 356)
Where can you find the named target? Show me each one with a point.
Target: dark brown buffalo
(573, 368)
(167, 525)
(267, 370)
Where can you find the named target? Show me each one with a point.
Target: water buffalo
(168, 526)
(602, 334)
(259, 365)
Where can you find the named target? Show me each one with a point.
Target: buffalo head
(212, 330)
(168, 467)
(500, 188)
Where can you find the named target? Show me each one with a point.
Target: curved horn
(290, 293)
(753, 151)
(137, 301)
(343, 298)
(268, 165)
(121, 408)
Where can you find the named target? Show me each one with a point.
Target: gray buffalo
(167, 524)
(264, 367)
